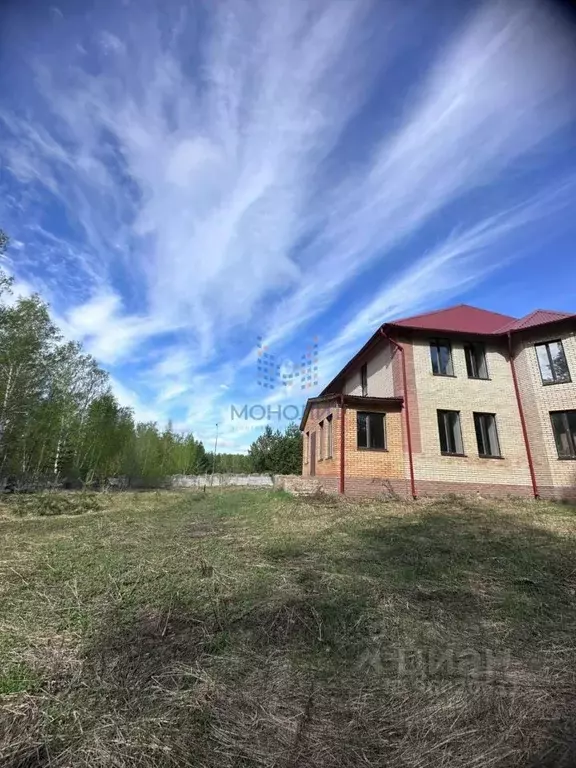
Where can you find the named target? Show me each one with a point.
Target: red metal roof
(538, 317)
(462, 318)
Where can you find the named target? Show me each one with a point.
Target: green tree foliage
(276, 452)
(59, 420)
(233, 463)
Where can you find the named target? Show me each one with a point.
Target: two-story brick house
(460, 400)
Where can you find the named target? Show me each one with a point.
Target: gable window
(564, 428)
(364, 379)
(552, 362)
(450, 433)
(329, 438)
(476, 361)
(371, 430)
(487, 435)
(441, 356)
(321, 440)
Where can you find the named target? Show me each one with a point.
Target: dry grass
(239, 628)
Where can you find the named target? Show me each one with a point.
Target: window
(364, 379)
(371, 430)
(307, 448)
(321, 440)
(329, 438)
(475, 361)
(441, 354)
(486, 435)
(450, 432)
(564, 428)
(552, 362)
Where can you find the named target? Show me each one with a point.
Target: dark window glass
(321, 440)
(364, 380)
(476, 361)
(362, 429)
(449, 432)
(371, 430)
(552, 362)
(329, 437)
(441, 356)
(564, 428)
(486, 434)
(376, 430)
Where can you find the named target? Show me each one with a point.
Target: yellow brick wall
(362, 462)
(430, 393)
(539, 399)
(379, 374)
(459, 393)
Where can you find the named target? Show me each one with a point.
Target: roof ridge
(551, 312)
(524, 322)
(434, 312)
(447, 309)
(530, 314)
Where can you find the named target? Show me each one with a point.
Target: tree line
(61, 423)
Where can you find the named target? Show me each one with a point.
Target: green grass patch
(249, 628)
(17, 678)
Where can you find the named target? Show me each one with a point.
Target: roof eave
(369, 402)
(313, 401)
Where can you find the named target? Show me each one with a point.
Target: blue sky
(179, 178)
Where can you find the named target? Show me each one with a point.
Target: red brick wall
(411, 396)
(359, 462)
(328, 466)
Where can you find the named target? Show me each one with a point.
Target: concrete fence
(221, 481)
(295, 484)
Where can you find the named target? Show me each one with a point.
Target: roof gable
(538, 317)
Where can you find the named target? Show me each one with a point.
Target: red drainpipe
(342, 443)
(522, 419)
(400, 349)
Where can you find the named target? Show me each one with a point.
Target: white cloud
(205, 192)
(131, 399)
(497, 92)
(108, 333)
(20, 289)
(463, 259)
(220, 169)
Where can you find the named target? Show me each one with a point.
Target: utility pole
(214, 457)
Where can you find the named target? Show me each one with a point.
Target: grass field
(249, 628)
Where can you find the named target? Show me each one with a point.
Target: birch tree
(59, 421)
